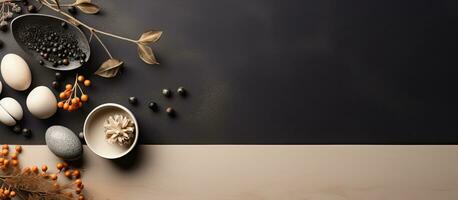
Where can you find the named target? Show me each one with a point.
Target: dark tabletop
(274, 72)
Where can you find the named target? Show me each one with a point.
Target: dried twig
(145, 52)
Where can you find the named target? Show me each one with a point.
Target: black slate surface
(276, 72)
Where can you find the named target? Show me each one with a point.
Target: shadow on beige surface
(270, 172)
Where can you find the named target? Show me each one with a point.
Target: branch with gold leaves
(110, 67)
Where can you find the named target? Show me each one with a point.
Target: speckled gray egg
(63, 142)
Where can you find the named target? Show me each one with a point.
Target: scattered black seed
(1, 44)
(17, 129)
(170, 111)
(53, 44)
(72, 10)
(55, 85)
(133, 100)
(32, 9)
(26, 132)
(166, 92)
(153, 106)
(63, 24)
(181, 91)
(41, 62)
(58, 76)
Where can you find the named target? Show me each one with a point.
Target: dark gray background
(276, 72)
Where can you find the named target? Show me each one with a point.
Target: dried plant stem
(50, 5)
(91, 29)
(101, 43)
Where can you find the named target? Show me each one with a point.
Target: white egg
(15, 72)
(12, 107)
(6, 118)
(41, 102)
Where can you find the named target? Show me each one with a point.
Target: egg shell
(12, 107)
(63, 142)
(15, 72)
(6, 118)
(41, 102)
(1, 87)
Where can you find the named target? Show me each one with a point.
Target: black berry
(17, 129)
(133, 100)
(181, 91)
(166, 92)
(4, 26)
(32, 9)
(72, 10)
(170, 111)
(153, 106)
(26, 132)
(55, 85)
(58, 76)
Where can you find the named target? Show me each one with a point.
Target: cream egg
(12, 107)
(15, 72)
(41, 102)
(10, 111)
(6, 118)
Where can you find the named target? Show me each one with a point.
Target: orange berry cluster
(7, 160)
(72, 191)
(70, 100)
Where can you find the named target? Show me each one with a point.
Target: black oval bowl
(20, 23)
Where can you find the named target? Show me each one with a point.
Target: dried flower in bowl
(119, 130)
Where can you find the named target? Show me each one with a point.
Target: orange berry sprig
(22, 182)
(73, 96)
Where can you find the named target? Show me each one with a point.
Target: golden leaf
(88, 8)
(109, 68)
(150, 37)
(146, 54)
(81, 1)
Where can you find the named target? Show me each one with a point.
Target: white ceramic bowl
(94, 132)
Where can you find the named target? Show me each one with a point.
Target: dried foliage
(111, 66)
(31, 183)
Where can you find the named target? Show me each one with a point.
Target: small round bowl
(20, 23)
(94, 132)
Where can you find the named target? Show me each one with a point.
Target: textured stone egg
(15, 72)
(63, 142)
(41, 102)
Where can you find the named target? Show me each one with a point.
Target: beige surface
(226, 172)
